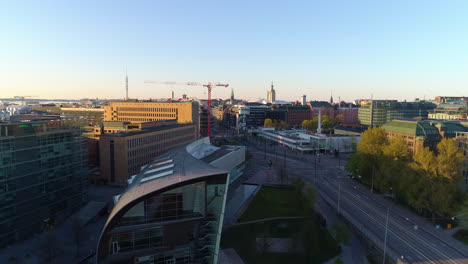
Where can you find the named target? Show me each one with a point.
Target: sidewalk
(353, 252)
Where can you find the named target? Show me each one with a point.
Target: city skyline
(396, 50)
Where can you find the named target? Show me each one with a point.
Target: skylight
(159, 175)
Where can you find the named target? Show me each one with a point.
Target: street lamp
(339, 195)
(385, 239)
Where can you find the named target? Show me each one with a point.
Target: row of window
(142, 156)
(174, 115)
(146, 109)
(133, 143)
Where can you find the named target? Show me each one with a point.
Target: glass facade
(181, 203)
(181, 225)
(42, 169)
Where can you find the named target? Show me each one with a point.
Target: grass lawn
(462, 235)
(243, 238)
(273, 202)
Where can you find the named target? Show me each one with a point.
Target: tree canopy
(427, 181)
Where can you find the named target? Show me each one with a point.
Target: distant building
(42, 176)
(137, 112)
(253, 114)
(173, 209)
(277, 113)
(422, 133)
(462, 141)
(203, 115)
(444, 116)
(349, 114)
(304, 100)
(377, 112)
(271, 95)
(4, 116)
(297, 114)
(300, 140)
(83, 116)
(321, 106)
(447, 99)
(18, 109)
(123, 151)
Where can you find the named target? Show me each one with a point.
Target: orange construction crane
(209, 85)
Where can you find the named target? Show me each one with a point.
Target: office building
(172, 211)
(377, 112)
(297, 114)
(462, 141)
(124, 151)
(321, 106)
(137, 112)
(422, 133)
(42, 176)
(203, 115)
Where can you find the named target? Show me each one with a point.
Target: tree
(340, 233)
(268, 123)
(337, 120)
(370, 156)
(283, 125)
(395, 158)
(338, 260)
(310, 125)
(435, 185)
(449, 160)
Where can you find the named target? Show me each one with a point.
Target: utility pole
(385, 239)
(339, 195)
(372, 180)
(315, 168)
(284, 158)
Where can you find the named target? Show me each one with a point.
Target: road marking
(391, 231)
(397, 225)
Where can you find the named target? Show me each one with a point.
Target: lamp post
(284, 158)
(339, 195)
(315, 168)
(385, 239)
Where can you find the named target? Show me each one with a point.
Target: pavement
(367, 211)
(61, 239)
(352, 253)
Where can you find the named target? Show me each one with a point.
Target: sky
(351, 49)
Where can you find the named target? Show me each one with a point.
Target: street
(409, 237)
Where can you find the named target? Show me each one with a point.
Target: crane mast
(209, 86)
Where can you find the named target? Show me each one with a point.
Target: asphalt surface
(409, 238)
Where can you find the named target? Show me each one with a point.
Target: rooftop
(173, 167)
(151, 129)
(219, 153)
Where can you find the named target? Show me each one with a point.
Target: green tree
(370, 154)
(449, 160)
(310, 125)
(340, 233)
(396, 158)
(338, 260)
(268, 123)
(435, 184)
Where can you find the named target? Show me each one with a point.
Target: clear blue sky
(393, 49)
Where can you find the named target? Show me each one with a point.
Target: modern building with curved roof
(172, 211)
